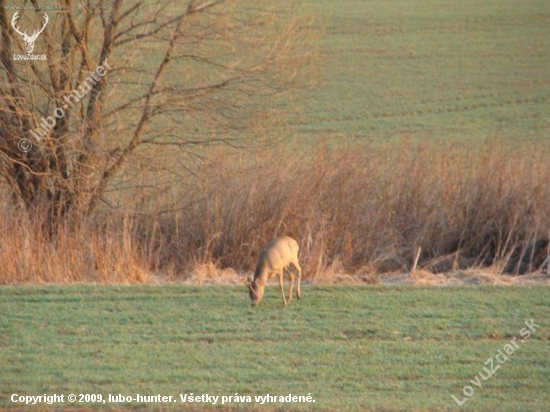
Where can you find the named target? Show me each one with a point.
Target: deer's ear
(248, 283)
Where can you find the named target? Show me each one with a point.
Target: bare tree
(116, 80)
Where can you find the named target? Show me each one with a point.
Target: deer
(29, 40)
(277, 258)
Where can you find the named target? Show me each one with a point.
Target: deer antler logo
(29, 40)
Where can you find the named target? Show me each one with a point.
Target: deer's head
(29, 40)
(254, 290)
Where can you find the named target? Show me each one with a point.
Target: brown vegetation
(361, 211)
(123, 79)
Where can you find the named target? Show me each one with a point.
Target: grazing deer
(279, 254)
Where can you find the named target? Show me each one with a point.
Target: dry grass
(356, 212)
(100, 254)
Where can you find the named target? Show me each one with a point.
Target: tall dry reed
(368, 208)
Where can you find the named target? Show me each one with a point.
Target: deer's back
(278, 253)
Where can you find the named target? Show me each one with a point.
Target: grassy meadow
(350, 347)
(433, 69)
(427, 129)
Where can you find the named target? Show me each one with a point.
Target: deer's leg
(281, 282)
(299, 270)
(291, 276)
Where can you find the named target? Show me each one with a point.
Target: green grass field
(421, 69)
(437, 69)
(349, 347)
